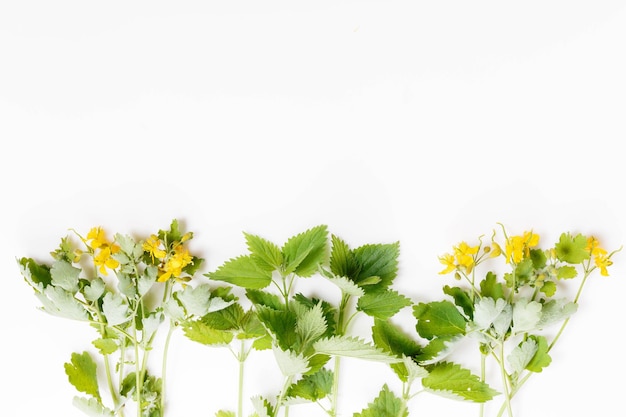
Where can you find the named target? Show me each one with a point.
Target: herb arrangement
(128, 289)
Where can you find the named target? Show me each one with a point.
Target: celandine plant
(509, 314)
(125, 289)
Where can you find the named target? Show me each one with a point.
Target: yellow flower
(97, 237)
(449, 261)
(465, 256)
(495, 251)
(518, 247)
(153, 246)
(175, 263)
(103, 259)
(600, 255)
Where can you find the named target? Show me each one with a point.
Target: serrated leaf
(382, 304)
(377, 260)
(202, 333)
(541, 358)
(147, 280)
(451, 380)
(392, 339)
(65, 275)
(313, 387)
(312, 323)
(262, 406)
(82, 374)
(438, 349)
(387, 404)
(265, 299)
(305, 251)
(290, 363)
(572, 249)
(526, 315)
(198, 301)
(266, 254)
(438, 319)
(115, 309)
(282, 324)
(461, 299)
(34, 273)
(353, 348)
(92, 407)
(343, 263)
(58, 302)
(243, 272)
(521, 356)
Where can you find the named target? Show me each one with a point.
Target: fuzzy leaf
(392, 339)
(489, 312)
(115, 309)
(198, 301)
(555, 311)
(438, 319)
(34, 273)
(313, 387)
(290, 363)
(92, 407)
(265, 253)
(147, 280)
(243, 272)
(541, 358)
(312, 323)
(343, 263)
(572, 249)
(305, 251)
(521, 356)
(451, 380)
(526, 315)
(383, 304)
(353, 348)
(200, 332)
(94, 290)
(81, 372)
(387, 404)
(59, 302)
(65, 275)
(347, 287)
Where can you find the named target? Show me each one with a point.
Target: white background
(420, 122)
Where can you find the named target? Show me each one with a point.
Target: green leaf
(461, 299)
(223, 413)
(387, 404)
(521, 356)
(382, 304)
(346, 286)
(451, 380)
(65, 275)
(526, 315)
(105, 346)
(228, 318)
(438, 319)
(313, 387)
(572, 250)
(92, 407)
(282, 324)
(548, 288)
(343, 263)
(243, 272)
(174, 234)
(541, 358)
(353, 348)
(35, 273)
(566, 272)
(58, 302)
(490, 287)
(199, 301)
(147, 280)
(262, 407)
(392, 339)
(265, 299)
(82, 374)
(377, 260)
(266, 254)
(305, 251)
(311, 324)
(206, 335)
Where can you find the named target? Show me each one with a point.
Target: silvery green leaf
(415, 371)
(449, 345)
(92, 407)
(526, 315)
(65, 275)
(353, 348)
(59, 302)
(347, 286)
(115, 309)
(260, 406)
(126, 285)
(555, 311)
(522, 355)
(289, 362)
(129, 246)
(198, 302)
(151, 323)
(488, 312)
(174, 310)
(147, 280)
(311, 324)
(94, 290)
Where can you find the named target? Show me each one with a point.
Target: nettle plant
(309, 336)
(516, 316)
(126, 290)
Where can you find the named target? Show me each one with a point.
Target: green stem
(341, 328)
(164, 363)
(242, 359)
(505, 382)
(281, 397)
(138, 371)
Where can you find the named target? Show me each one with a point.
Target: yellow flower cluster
(172, 263)
(463, 257)
(600, 256)
(103, 250)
